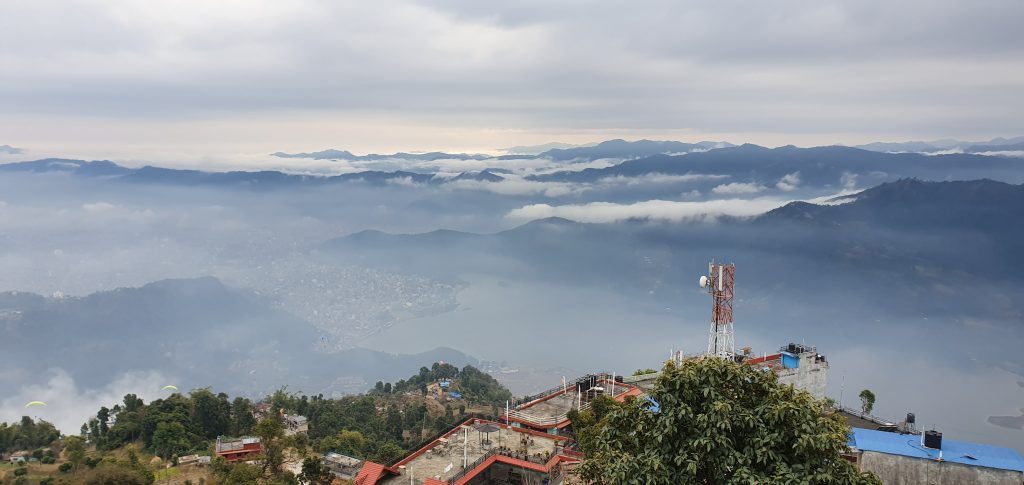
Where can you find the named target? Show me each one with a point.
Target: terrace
(467, 450)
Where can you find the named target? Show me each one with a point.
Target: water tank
(910, 418)
(933, 439)
(619, 379)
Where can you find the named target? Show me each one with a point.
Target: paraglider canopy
(35, 403)
(169, 388)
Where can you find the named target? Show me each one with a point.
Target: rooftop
(962, 452)
(442, 458)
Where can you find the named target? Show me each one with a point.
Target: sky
(232, 79)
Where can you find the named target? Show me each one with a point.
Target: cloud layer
(242, 77)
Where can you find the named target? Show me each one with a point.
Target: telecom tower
(719, 282)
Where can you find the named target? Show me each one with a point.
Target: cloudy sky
(131, 79)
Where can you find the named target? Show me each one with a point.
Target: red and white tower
(720, 281)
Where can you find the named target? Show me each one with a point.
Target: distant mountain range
(993, 145)
(261, 179)
(556, 151)
(914, 234)
(818, 166)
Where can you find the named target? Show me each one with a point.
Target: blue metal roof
(953, 451)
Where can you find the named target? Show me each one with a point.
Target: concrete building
(796, 364)
(478, 452)
(548, 411)
(342, 466)
(902, 459)
(241, 449)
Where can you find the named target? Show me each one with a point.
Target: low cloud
(518, 186)
(68, 407)
(97, 206)
(737, 188)
(659, 178)
(848, 180)
(651, 209)
(789, 182)
(9, 150)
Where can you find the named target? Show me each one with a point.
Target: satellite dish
(703, 281)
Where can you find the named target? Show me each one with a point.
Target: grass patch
(166, 473)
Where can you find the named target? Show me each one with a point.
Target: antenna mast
(720, 282)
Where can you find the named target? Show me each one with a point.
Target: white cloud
(658, 178)
(68, 407)
(848, 180)
(737, 188)
(651, 209)
(789, 182)
(97, 206)
(514, 185)
(402, 181)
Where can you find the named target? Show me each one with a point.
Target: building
(342, 466)
(295, 424)
(548, 411)
(477, 452)
(796, 364)
(904, 459)
(196, 460)
(241, 449)
(19, 457)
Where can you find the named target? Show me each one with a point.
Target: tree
(271, 433)
(314, 472)
(718, 422)
(74, 450)
(242, 419)
(170, 438)
(867, 401)
(351, 443)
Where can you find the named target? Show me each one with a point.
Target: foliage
(169, 438)
(74, 450)
(271, 433)
(719, 422)
(867, 401)
(26, 435)
(315, 472)
(640, 372)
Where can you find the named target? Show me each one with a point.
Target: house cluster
(528, 443)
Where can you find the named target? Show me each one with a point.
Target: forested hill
(381, 425)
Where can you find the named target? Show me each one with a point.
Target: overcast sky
(158, 80)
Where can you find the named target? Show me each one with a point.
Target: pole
(842, 387)
(465, 448)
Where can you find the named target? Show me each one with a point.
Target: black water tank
(933, 439)
(910, 418)
(619, 379)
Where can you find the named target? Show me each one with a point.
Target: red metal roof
(371, 473)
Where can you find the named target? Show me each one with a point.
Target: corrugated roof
(962, 452)
(371, 473)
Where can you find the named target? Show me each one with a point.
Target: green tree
(719, 422)
(242, 418)
(867, 401)
(351, 443)
(170, 438)
(314, 472)
(210, 415)
(74, 450)
(271, 433)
